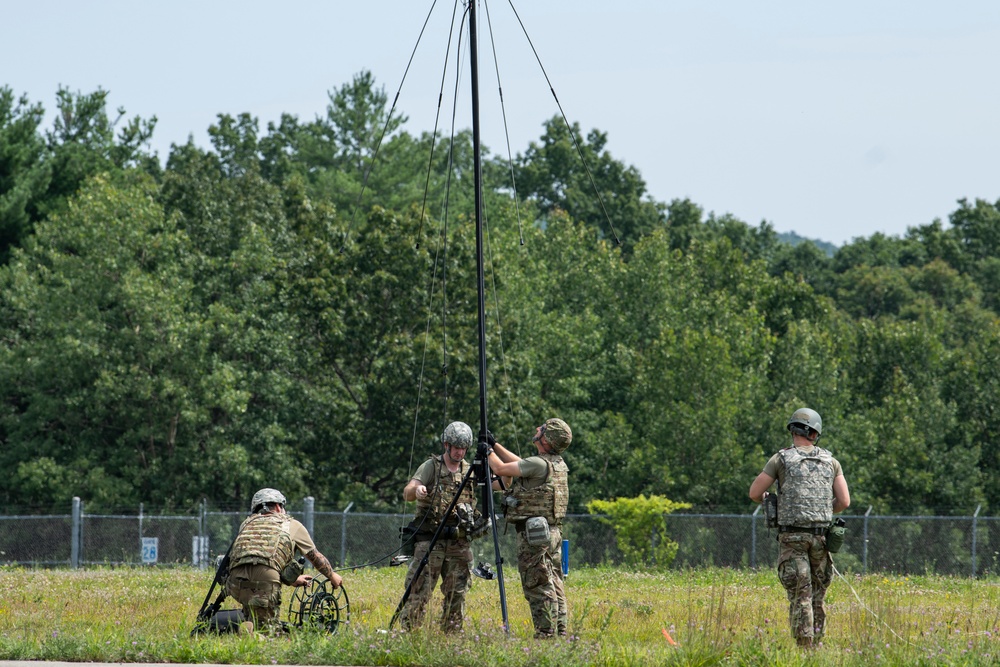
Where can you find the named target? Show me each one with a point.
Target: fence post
(202, 534)
(975, 521)
(864, 561)
(308, 513)
(75, 534)
(343, 534)
(753, 536)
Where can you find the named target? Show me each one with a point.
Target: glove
(490, 440)
(484, 451)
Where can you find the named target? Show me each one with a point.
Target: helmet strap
(805, 432)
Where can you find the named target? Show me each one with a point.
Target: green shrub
(640, 526)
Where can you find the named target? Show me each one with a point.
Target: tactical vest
(264, 539)
(549, 500)
(435, 503)
(806, 494)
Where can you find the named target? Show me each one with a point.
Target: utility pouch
(291, 572)
(771, 510)
(835, 536)
(481, 526)
(508, 502)
(466, 519)
(536, 531)
(407, 542)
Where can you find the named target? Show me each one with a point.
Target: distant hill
(794, 239)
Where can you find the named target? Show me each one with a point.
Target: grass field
(716, 617)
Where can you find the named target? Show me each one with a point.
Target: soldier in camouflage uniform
(535, 504)
(433, 486)
(267, 542)
(811, 489)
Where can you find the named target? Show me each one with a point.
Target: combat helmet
(804, 419)
(265, 496)
(457, 434)
(558, 434)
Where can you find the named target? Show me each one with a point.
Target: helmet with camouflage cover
(265, 496)
(558, 434)
(804, 419)
(457, 434)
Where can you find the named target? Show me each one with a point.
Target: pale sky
(831, 119)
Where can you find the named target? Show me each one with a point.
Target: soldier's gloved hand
(490, 440)
(483, 451)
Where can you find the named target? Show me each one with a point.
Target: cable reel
(319, 607)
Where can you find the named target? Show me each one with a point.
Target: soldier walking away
(811, 489)
(535, 504)
(433, 486)
(264, 556)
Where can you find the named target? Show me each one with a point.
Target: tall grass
(617, 618)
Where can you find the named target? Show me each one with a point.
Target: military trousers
(451, 560)
(261, 600)
(805, 570)
(542, 582)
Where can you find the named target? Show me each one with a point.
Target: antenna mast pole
(478, 176)
(485, 477)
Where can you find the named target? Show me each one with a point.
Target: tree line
(280, 310)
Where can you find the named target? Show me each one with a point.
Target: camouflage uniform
(451, 559)
(545, 495)
(805, 510)
(265, 544)
(804, 568)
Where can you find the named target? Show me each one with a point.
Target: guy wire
(503, 357)
(880, 620)
(506, 133)
(441, 250)
(378, 144)
(866, 607)
(444, 226)
(442, 255)
(572, 134)
(423, 361)
(437, 117)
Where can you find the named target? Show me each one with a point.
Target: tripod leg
(489, 509)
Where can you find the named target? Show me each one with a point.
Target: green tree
(83, 143)
(688, 353)
(247, 253)
(558, 176)
(94, 320)
(24, 176)
(336, 152)
(805, 262)
(39, 174)
(880, 250)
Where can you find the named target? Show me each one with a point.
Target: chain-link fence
(952, 545)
